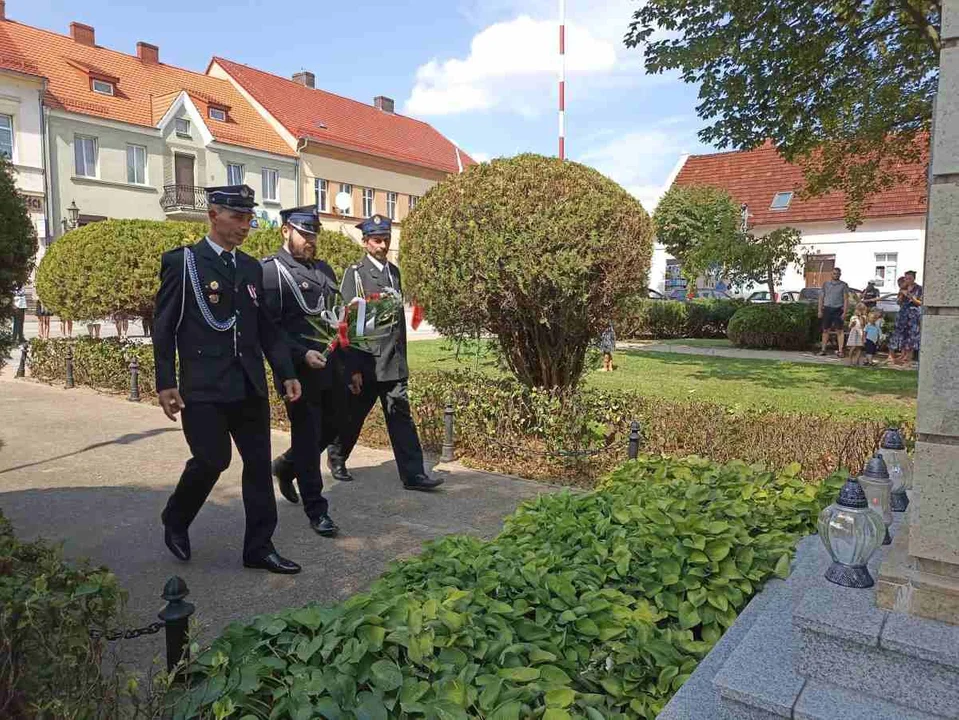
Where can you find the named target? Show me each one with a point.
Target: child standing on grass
(607, 344)
(857, 324)
(873, 333)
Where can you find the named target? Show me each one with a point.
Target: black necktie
(228, 264)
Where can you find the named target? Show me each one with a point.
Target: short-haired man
(299, 287)
(385, 372)
(833, 302)
(209, 312)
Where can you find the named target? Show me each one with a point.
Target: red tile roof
(68, 66)
(755, 176)
(338, 121)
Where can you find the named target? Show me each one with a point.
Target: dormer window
(217, 113)
(102, 86)
(183, 127)
(781, 201)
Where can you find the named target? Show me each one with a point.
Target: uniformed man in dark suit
(210, 312)
(385, 371)
(299, 287)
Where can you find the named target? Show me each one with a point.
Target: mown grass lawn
(740, 384)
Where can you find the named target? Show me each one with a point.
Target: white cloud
(506, 61)
(480, 156)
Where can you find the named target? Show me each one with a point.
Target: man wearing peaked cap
(299, 287)
(209, 315)
(384, 373)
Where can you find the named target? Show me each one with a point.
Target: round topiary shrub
(110, 268)
(536, 251)
(339, 250)
(790, 326)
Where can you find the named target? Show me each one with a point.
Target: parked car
(763, 296)
(654, 294)
(699, 294)
(811, 295)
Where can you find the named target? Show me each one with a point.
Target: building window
(271, 181)
(234, 174)
(391, 205)
(183, 127)
(6, 136)
(781, 201)
(217, 114)
(102, 86)
(136, 164)
(886, 269)
(367, 202)
(413, 200)
(322, 195)
(85, 149)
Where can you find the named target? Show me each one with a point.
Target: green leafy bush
(789, 326)
(49, 665)
(335, 248)
(665, 319)
(575, 437)
(18, 247)
(538, 252)
(596, 605)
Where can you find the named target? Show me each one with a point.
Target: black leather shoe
(275, 563)
(283, 471)
(340, 473)
(422, 482)
(324, 526)
(178, 541)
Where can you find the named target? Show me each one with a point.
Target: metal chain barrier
(151, 629)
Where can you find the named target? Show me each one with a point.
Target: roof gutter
(296, 171)
(44, 150)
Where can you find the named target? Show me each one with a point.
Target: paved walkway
(95, 471)
(798, 356)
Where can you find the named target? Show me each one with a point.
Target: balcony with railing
(183, 200)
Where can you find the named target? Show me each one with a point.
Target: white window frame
(265, 175)
(134, 148)
(102, 87)
(413, 200)
(220, 111)
(322, 190)
(78, 145)
(888, 263)
(369, 202)
(391, 202)
(13, 135)
(232, 180)
(787, 194)
(183, 133)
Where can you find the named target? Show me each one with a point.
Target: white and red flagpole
(562, 79)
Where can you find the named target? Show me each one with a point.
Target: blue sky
(483, 72)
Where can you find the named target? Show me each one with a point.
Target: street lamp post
(73, 212)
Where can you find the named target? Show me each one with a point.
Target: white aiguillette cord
(297, 295)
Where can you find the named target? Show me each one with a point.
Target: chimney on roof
(381, 102)
(305, 78)
(3, 10)
(83, 34)
(148, 53)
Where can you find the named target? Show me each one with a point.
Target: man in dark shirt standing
(209, 312)
(833, 301)
(870, 296)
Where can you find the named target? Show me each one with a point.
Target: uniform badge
(250, 288)
(214, 298)
(214, 285)
(376, 220)
(305, 285)
(244, 193)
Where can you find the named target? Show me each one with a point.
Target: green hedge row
(504, 427)
(781, 326)
(664, 319)
(596, 605)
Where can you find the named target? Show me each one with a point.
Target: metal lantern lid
(892, 440)
(852, 495)
(876, 468)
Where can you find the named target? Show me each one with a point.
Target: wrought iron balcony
(183, 198)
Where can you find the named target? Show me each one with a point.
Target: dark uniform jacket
(215, 366)
(318, 281)
(389, 358)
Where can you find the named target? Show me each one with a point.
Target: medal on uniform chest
(214, 295)
(305, 285)
(250, 288)
(214, 298)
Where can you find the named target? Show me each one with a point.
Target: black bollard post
(176, 616)
(22, 367)
(633, 451)
(446, 452)
(134, 380)
(69, 383)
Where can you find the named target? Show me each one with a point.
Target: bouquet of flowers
(361, 323)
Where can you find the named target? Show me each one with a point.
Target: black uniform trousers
(310, 432)
(394, 398)
(208, 427)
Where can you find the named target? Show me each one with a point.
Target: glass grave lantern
(877, 485)
(851, 532)
(893, 451)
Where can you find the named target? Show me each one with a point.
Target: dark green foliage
(537, 252)
(844, 88)
(792, 326)
(49, 665)
(102, 364)
(596, 605)
(18, 248)
(664, 319)
(335, 248)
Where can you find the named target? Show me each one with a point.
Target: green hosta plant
(596, 605)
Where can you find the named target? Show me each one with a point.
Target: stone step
(823, 701)
(846, 641)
